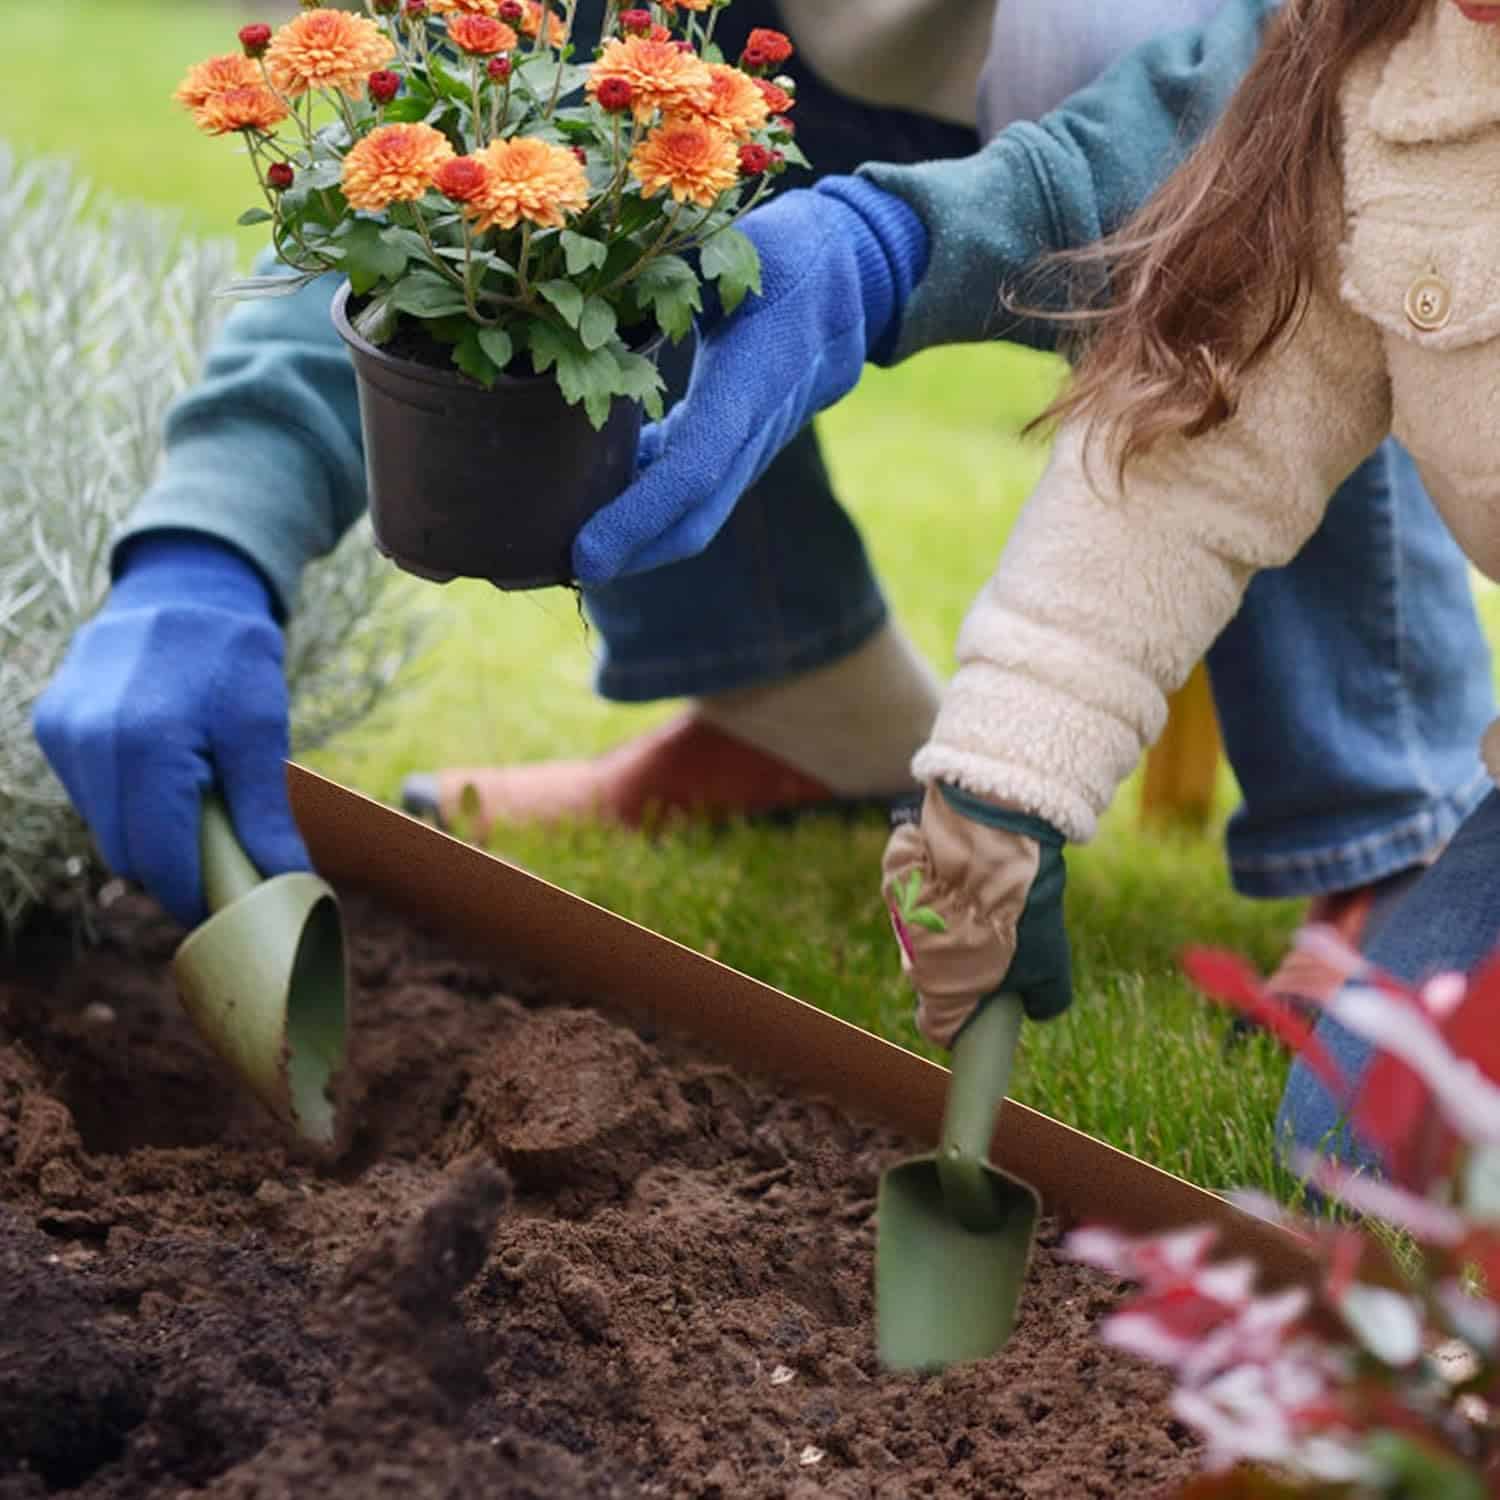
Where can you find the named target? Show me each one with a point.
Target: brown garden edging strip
(509, 915)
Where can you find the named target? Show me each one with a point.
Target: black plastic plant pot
(472, 483)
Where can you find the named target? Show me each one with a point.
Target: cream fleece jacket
(923, 55)
(1107, 595)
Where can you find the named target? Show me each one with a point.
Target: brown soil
(560, 1259)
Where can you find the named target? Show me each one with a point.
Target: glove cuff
(188, 567)
(980, 811)
(890, 256)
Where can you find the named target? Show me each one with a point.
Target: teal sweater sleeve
(1062, 182)
(264, 452)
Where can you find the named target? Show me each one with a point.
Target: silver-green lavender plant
(107, 311)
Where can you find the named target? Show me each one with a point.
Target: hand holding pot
(176, 683)
(975, 893)
(838, 263)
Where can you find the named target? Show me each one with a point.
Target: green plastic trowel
(265, 982)
(954, 1232)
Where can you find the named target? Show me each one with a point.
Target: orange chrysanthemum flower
(660, 77)
(480, 36)
(463, 179)
(252, 107)
(695, 161)
(532, 180)
(327, 49)
(734, 103)
(469, 7)
(673, 5)
(393, 164)
(531, 22)
(216, 75)
(778, 101)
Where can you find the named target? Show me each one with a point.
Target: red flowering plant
(524, 210)
(1379, 1379)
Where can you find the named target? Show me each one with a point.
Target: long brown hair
(1217, 266)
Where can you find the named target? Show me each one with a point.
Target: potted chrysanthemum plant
(516, 232)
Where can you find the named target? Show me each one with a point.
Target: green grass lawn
(930, 460)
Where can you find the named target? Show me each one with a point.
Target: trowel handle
(228, 873)
(982, 1059)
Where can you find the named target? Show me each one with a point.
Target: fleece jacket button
(1429, 303)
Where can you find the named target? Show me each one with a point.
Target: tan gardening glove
(975, 893)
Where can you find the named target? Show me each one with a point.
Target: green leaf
(641, 381)
(1421, 1470)
(597, 325)
(541, 75)
(321, 174)
(669, 286)
(445, 82)
(408, 241)
(426, 295)
(369, 256)
(485, 258)
(566, 298)
(582, 253)
(470, 355)
(406, 111)
(497, 343)
(793, 153)
(253, 216)
(924, 916)
(589, 376)
(732, 260)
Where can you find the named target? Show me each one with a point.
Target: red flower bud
(511, 12)
(778, 161)
(415, 8)
(635, 22)
(784, 126)
(614, 94)
(754, 159)
(775, 46)
(280, 176)
(255, 39)
(383, 85)
(498, 68)
(581, 154)
(753, 58)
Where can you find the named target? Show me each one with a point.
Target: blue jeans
(1353, 686)
(1449, 920)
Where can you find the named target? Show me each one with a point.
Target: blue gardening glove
(975, 893)
(175, 684)
(838, 263)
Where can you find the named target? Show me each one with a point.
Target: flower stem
(441, 265)
(521, 259)
(650, 254)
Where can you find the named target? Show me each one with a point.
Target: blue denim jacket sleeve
(1062, 182)
(264, 451)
